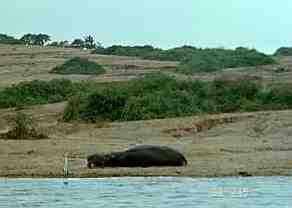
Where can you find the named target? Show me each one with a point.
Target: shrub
(24, 128)
(278, 98)
(37, 92)
(200, 62)
(283, 51)
(159, 96)
(193, 59)
(103, 105)
(73, 108)
(148, 52)
(230, 96)
(6, 39)
(79, 66)
(209, 60)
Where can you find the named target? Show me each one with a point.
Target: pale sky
(262, 24)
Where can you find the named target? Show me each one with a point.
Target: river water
(170, 192)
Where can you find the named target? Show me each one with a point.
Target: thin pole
(66, 167)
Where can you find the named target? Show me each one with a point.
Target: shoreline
(224, 148)
(136, 172)
(137, 176)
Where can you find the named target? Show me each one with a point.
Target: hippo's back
(150, 155)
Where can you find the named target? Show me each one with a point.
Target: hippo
(139, 156)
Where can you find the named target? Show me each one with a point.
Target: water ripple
(256, 192)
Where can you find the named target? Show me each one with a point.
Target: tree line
(44, 39)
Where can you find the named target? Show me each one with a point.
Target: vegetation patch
(192, 59)
(23, 128)
(210, 60)
(41, 92)
(148, 52)
(79, 66)
(73, 108)
(283, 51)
(159, 96)
(6, 39)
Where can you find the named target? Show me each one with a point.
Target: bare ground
(214, 145)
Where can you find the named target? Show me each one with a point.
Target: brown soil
(214, 145)
(223, 145)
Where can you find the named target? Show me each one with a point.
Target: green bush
(6, 39)
(74, 107)
(209, 60)
(174, 54)
(38, 92)
(194, 59)
(159, 96)
(79, 66)
(153, 96)
(232, 96)
(283, 51)
(104, 105)
(148, 52)
(278, 97)
(125, 50)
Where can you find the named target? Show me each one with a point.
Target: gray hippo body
(140, 156)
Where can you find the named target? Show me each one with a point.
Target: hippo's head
(96, 160)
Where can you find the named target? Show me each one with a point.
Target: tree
(33, 39)
(41, 39)
(89, 42)
(78, 43)
(6, 39)
(55, 44)
(64, 43)
(27, 39)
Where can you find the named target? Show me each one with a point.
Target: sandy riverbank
(257, 144)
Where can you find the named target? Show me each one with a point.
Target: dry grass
(203, 125)
(24, 128)
(18, 63)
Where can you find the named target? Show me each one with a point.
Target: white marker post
(66, 168)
